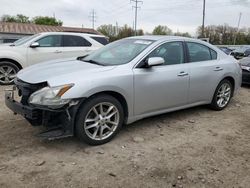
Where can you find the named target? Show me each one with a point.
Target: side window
(75, 41)
(101, 40)
(50, 41)
(199, 52)
(171, 52)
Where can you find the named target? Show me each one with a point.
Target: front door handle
(182, 73)
(57, 51)
(218, 69)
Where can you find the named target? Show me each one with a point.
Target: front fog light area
(50, 96)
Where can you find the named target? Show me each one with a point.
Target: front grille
(26, 89)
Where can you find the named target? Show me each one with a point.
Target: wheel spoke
(2, 70)
(111, 115)
(101, 110)
(9, 70)
(6, 79)
(95, 111)
(90, 120)
(12, 76)
(107, 127)
(91, 126)
(101, 132)
(109, 109)
(112, 122)
(95, 133)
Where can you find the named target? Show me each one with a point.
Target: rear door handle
(218, 69)
(57, 51)
(182, 73)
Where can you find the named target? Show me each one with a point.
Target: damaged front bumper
(59, 123)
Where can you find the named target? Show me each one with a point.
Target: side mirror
(154, 61)
(34, 45)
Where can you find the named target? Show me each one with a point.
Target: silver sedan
(133, 78)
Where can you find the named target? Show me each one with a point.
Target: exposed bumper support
(59, 123)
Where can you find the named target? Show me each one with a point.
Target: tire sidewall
(214, 104)
(83, 111)
(3, 63)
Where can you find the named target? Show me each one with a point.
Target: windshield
(25, 39)
(117, 53)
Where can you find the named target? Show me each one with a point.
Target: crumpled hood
(59, 70)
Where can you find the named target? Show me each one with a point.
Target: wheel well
(231, 80)
(12, 61)
(119, 97)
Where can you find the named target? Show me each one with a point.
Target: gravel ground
(196, 147)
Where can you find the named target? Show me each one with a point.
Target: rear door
(75, 46)
(205, 72)
(50, 48)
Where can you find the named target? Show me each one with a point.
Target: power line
(136, 7)
(93, 18)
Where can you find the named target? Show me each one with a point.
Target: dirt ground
(196, 147)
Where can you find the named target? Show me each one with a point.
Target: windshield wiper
(93, 62)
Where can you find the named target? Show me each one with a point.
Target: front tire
(99, 119)
(222, 95)
(8, 71)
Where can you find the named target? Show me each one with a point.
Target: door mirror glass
(154, 61)
(34, 45)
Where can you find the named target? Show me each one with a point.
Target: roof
(29, 28)
(158, 37)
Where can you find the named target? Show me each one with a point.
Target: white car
(43, 47)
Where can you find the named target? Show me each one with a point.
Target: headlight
(50, 96)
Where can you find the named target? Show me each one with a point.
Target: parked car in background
(226, 50)
(241, 52)
(123, 82)
(43, 47)
(245, 65)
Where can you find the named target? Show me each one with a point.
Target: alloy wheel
(101, 121)
(223, 95)
(7, 74)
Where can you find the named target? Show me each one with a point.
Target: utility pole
(203, 19)
(238, 27)
(93, 18)
(136, 7)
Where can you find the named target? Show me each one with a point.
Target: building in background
(10, 31)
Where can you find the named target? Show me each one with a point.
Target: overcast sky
(179, 15)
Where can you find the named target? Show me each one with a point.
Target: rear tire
(222, 95)
(99, 119)
(8, 71)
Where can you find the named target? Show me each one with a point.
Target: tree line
(40, 20)
(225, 34)
(116, 33)
(217, 34)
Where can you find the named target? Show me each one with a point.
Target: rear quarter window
(213, 54)
(101, 40)
(75, 41)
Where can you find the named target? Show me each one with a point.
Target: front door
(50, 48)
(162, 87)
